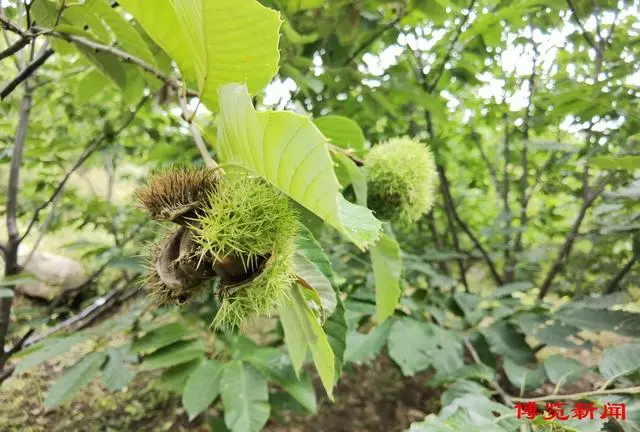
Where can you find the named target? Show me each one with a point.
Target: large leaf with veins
(288, 150)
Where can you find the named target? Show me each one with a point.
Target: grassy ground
(368, 398)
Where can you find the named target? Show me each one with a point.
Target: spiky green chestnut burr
(247, 229)
(175, 193)
(401, 179)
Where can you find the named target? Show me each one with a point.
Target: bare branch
(25, 73)
(374, 38)
(195, 132)
(585, 34)
(565, 250)
(130, 58)
(582, 395)
(89, 150)
(14, 48)
(476, 138)
(612, 285)
(494, 383)
(431, 87)
(7, 24)
(524, 156)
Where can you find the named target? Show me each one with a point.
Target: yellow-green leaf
(288, 150)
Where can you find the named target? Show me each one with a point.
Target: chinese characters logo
(580, 411)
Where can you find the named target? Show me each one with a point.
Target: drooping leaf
(335, 327)
(48, 350)
(170, 355)
(353, 176)
(387, 266)
(289, 151)
(294, 337)
(245, 397)
(624, 162)
(363, 348)
(175, 378)
(621, 322)
(505, 340)
(562, 370)
(74, 379)
(162, 336)
(415, 346)
(231, 42)
(201, 388)
(460, 388)
(618, 361)
(313, 278)
(299, 321)
(336, 330)
(116, 374)
(342, 131)
(523, 377)
(277, 366)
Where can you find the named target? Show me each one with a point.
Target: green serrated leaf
(304, 330)
(289, 151)
(116, 374)
(245, 397)
(522, 377)
(625, 162)
(176, 353)
(315, 279)
(277, 366)
(415, 346)
(230, 42)
(505, 340)
(202, 388)
(460, 388)
(162, 336)
(618, 361)
(387, 267)
(562, 370)
(48, 350)
(621, 322)
(342, 131)
(158, 18)
(175, 378)
(74, 379)
(363, 348)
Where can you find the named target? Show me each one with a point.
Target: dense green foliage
(503, 263)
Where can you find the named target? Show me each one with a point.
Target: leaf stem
(573, 396)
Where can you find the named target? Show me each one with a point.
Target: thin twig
(195, 132)
(17, 46)
(25, 73)
(347, 153)
(565, 250)
(585, 34)
(98, 304)
(612, 285)
(89, 150)
(476, 138)
(494, 383)
(447, 57)
(373, 38)
(574, 396)
(7, 24)
(130, 58)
